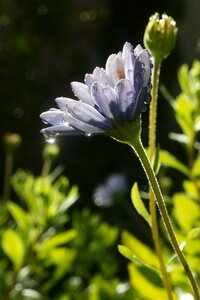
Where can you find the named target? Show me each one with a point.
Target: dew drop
(88, 134)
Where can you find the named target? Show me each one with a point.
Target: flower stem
(140, 152)
(46, 167)
(152, 202)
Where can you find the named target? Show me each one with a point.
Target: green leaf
(72, 197)
(138, 203)
(156, 161)
(185, 211)
(184, 114)
(183, 74)
(57, 240)
(196, 167)
(140, 250)
(63, 258)
(126, 252)
(169, 160)
(20, 216)
(191, 189)
(193, 234)
(179, 137)
(147, 284)
(13, 247)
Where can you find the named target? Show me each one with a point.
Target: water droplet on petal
(88, 134)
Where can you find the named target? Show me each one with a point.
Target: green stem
(46, 167)
(153, 108)
(152, 202)
(8, 174)
(140, 152)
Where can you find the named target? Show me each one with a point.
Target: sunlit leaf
(140, 250)
(57, 240)
(156, 161)
(196, 166)
(21, 217)
(170, 160)
(178, 137)
(147, 285)
(63, 258)
(184, 112)
(193, 234)
(191, 189)
(72, 197)
(126, 252)
(185, 211)
(13, 247)
(183, 78)
(138, 204)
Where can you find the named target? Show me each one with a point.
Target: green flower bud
(11, 141)
(51, 151)
(160, 36)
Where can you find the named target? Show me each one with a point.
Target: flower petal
(126, 99)
(53, 116)
(99, 74)
(145, 57)
(114, 68)
(81, 91)
(128, 58)
(62, 102)
(82, 126)
(62, 128)
(86, 114)
(143, 98)
(106, 99)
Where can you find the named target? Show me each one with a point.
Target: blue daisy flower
(110, 97)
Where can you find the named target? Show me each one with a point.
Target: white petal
(62, 128)
(82, 126)
(87, 114)
(99, 74)
(145, 57)
(105, 98)
(124, 90)
(81, 91)
(128, 58)
(62, 102)
(53, 117)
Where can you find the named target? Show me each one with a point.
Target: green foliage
(47, 253)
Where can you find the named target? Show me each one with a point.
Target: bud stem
(152, 202)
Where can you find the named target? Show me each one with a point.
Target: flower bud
(51, 151)
(11, 141)
(160, 36)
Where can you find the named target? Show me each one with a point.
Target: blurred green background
(44, 45)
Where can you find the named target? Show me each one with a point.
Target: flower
(110, 99)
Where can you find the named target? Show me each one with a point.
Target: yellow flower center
(120, 73)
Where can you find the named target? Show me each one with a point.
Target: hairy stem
(152, 203)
